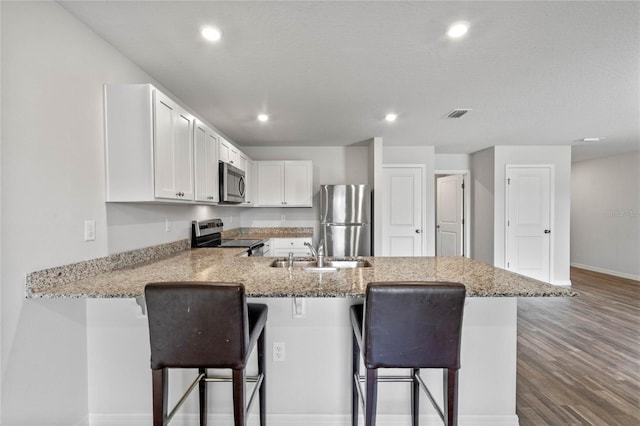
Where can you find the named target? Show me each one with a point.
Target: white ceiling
(533, 73)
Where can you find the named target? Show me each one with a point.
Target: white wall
(488, 171)
(332, 165)
(53, 69)
(605, 215)
(482, 205)
(450, 162)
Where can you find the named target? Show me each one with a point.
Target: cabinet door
(234, 156)
(250, 182)
(183, 154)
(165, 182)
(173, 150)
(224, 150)
(228, 152)
(298, 177)
(284, 246)
(243, 161)
(271, 183)
(206, 164)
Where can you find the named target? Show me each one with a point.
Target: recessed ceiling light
(263, 118)
(391, 117)
(211, 34)
(590, 139)
(457, 29)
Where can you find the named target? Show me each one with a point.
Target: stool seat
(205, 325)
(413, 325)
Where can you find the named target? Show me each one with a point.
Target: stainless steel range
(208, 233)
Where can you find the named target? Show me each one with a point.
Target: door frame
(466, 200)
(423, 195)
(552, 173)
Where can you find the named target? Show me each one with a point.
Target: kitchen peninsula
(299, 394)
(262, 280)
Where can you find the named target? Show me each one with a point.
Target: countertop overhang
(262, 280)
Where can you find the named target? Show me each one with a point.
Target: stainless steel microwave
(232, 184)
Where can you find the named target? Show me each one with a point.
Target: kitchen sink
(329, 264)
(349, 263)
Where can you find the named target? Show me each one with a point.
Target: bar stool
(205, 325)
(407, 325)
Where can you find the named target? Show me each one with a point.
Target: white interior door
(449, 215)
(402, 222)
(528, 232)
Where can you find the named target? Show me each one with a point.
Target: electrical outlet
(168, 226)
(278, 351)
(283, 218)
(89, 230)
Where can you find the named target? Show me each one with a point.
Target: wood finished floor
(579, 358)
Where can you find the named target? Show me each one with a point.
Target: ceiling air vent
(456, 113)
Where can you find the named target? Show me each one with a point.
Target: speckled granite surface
(54, 277)
(261, 280)
(266, 233)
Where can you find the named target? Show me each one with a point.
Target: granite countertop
(267, 233)
(261, 280)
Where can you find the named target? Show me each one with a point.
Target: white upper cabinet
(229, 153)
(285, 183)
(149, 145)
(206, 163)
(243, 161)
(250, 182)
(173, 145)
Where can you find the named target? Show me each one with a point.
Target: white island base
(312, 386)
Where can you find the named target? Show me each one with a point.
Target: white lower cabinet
(281, 247)
(266, 250)
(149, 145)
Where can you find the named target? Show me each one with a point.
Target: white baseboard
(300, 420)
(606, 271)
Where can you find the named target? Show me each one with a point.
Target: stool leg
(450, 380)
(415, 398)
(371, 399)
(355, 372)
(160, 386)
(263, 386)
(239, 407)
(202, 388)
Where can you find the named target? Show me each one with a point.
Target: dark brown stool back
(408, 325)
(204, 325)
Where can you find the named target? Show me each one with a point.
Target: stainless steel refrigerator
(345, 219)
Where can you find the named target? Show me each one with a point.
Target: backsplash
(64, 274)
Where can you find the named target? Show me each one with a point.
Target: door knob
(418, 231)
(547, 231)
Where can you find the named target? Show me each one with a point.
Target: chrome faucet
(318, 255)
(314, 254)
(320, 260)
